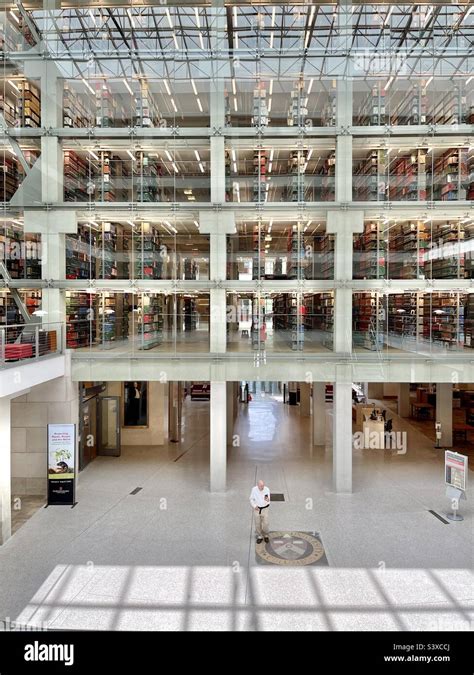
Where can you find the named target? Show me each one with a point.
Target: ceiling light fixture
(12, 13)
(174, 105)
(235, 104)
(128, 86)
(310, 86)
(131, 156)
(389, 82)
(201, 167)
(193, 85)
(93, 155)
(196, 14)
(234, 86)
(12, 84)
(168, 155)
(176, 170)
(199, 104)
(168, 16)
(88, 85)
(167, 87)
(197, 155)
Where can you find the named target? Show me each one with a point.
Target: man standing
(260, 501)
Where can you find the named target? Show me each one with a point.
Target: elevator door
(109, 426)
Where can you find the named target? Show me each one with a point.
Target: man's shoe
(259, 540)
(267, 540)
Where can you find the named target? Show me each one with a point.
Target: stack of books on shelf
(446, 175)
(296, 253)
(405, 315)
(260, 110)
(29, 105)
(20, 253)
(470, 173)
(258, 258)
(9, 178)
(109, 111)
(81, 254)
(148, 261)
(108, 268)
(8, 108)
(296, 323)
(447, 258)
(107, 321)
(443, 318)
(298, 112)
(469, 320)
(370, 251)
(407, 177)
(328, 173)
(318, 315)
(190, 314)
(77, 110)
(408, 250)
(147, 113)
(364, 320)
(296, 167)
(322, 266)
(76, 175)
(150, 330)
(370, 177)
(80, 319)
(146, 178)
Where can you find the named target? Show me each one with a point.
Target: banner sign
(455, 469)
(61, 458)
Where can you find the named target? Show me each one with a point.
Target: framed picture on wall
(135, 404)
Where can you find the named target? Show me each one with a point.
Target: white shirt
(257, 497)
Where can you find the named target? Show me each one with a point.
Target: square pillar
(218, 440)
(342, 438)
(319, 413)
(230, 411)
(5, 470)
(305, 399)
(404, 399)
(444, 412)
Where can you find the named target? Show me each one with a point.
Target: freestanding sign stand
(455, 472)
(61, 464)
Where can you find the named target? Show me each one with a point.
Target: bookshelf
(405, 315)
(257, 331)
(258, 258)
(298, 110)
(77, 109)
(447, 260)
(317, 314)
(408, 177)
(76, 175)
(296, 168)
(29, 105)
(146, 178)
(470, 172)
(370, 253)
(149, 318)
(469, 321)
(107, 324)
(328, 112)
(367, 320)
(148, 261)
(408, 246)
(443, 319)
(21, 253)
(81, 319)
(370, 177)
(446, 174)
(260, 165)
(327, 173)
(322, 261)
(9, 178)
(260, 113)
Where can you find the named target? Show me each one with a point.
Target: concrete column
(218, 177)
(218, 226)
(305, 399)
(343, 224)
(218, 450)
(5, 470)
(404, 399)
(375, 390)
(319, 413)
(342, 437)
(230, 391)
(175, 401)
(444, 412)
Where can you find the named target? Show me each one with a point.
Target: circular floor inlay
(291, 548)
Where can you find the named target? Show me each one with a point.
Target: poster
(455, 467)
(61, 463)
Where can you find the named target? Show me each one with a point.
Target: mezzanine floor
(174, 556)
